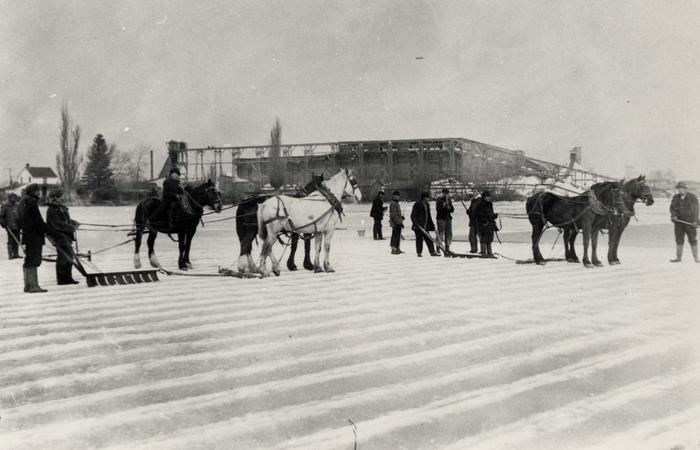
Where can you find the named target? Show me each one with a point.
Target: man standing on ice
(58, 218)
(443, 215)
(396, 222)
(420, 216)
(377, 213)
(10, 222)
(486, 221)
(33, 231)
(473, 226)
(684, 215)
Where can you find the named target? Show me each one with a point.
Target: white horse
(313, 214)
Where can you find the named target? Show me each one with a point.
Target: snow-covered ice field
(417, 353)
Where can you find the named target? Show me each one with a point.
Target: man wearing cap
(396, 221)
(443, 215)
(420, 216)
(33, 231)
(377, 213)
(171, 196)
(10, 222)
(473, 225)
(58, 219)
(684, 215)
(486, 223)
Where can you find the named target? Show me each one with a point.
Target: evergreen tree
(98, 174)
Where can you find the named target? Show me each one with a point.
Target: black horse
(632, 190)
(187, 216)
(247, 229)
(583, 212)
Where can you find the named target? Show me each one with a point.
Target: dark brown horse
(632, 191)
(187, 217)
(247, 230)
(571, 214)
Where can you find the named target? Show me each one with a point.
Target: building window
(30, 180)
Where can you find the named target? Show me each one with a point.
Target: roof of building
(41, 172)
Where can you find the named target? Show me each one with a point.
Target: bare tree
(68, 159)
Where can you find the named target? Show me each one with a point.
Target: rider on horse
(172, 194)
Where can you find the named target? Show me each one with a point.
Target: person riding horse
(172, 195)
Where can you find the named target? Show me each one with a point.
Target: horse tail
(262, 228)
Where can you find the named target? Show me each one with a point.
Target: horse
(247, 229)
(632, 190)
(317, 214)
(572, 214)
(187, 217)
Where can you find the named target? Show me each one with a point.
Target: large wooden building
(407, 165)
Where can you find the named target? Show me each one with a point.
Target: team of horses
(314, 212)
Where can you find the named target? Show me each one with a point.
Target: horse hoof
(137, 264)
(329, 270)
(292, 268)
(598, 264)
(308, 266)
(588, 265)
(276, 272)
(614, 262)
(318, 270)
(541, 263)
(183, 268)
(189, 266)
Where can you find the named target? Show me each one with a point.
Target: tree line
(108, 173)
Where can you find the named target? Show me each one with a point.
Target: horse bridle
(218, 196)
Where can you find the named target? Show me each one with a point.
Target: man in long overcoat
(473, 226)
(443, 215)
(420, 216)
(9, 220)
(377, 213)
(33, 231)
(486, 222)
(58, 219)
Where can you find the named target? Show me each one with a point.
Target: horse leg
(317, 262)
(572, 245)
(292, 251)
(137, 246)
(327, 236)
(273, 259)
(586, 241)
(181, 245)
(594, 249)
(245, 260)
(267, 244)
(567, 245)
(537, 230)
(151, 250)
(308, 265)
(614, 242)
(188, 246)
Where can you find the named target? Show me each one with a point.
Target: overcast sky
(618, 78)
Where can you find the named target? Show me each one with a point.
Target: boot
(34, 281)
(27, 277)
(393, 251)
(679, 253)
(694, 249)
(483, 250)
(489, 252)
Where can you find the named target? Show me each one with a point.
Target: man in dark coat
(420, 216)
(684, 215)
(473, 225)
(377, 213)
(443, 215)
(486, 223)
(58, 219)
(396, 221)
(33, 231)
(10, 222)
(172, 191)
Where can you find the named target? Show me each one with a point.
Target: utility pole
(151, 164)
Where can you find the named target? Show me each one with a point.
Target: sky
(616, 78)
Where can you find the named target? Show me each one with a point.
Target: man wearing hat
(58, 219)
(10, 222)
(396, 222)
(171, 196)
(684, 215)
(486, 223)
(443, 215)
(420, 216)
(377, 213)
(33, 231)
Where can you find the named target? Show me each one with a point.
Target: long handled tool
(694, 225)
(109, 278)
(445, 251)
